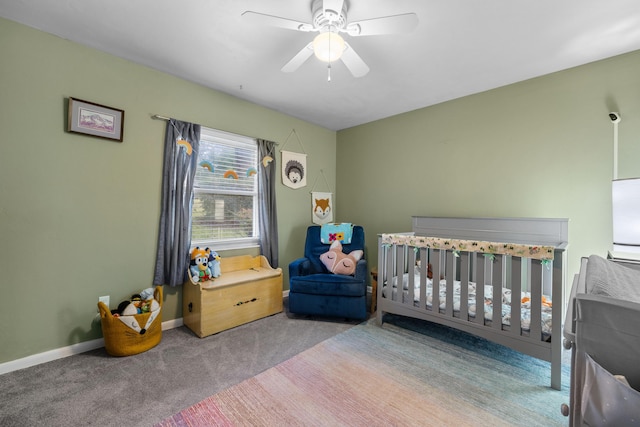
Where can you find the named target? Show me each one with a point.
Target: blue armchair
(314, 290)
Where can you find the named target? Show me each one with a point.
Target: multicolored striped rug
(414, 374)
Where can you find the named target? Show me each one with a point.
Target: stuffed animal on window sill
(204, 265)
(338, 262)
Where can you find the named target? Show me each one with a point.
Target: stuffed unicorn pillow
(338, 262)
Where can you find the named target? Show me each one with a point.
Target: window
(224, 214)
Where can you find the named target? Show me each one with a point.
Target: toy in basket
(204, 265)
(130, 333)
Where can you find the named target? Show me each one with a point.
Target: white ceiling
(459, 47)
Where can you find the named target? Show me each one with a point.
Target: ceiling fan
(329, 19)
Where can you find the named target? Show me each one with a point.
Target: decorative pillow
(338, 262)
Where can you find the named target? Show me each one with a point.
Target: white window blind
(224, 212)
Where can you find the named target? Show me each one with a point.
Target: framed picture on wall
(94, 119)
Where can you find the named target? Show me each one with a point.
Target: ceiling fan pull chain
(329, 72)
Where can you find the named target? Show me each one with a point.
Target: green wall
(79, 215)
(539, 148)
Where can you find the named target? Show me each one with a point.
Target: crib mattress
(525, 302)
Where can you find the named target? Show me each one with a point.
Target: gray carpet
(94, 388)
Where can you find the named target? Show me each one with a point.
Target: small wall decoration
(294, 165)
(321, 203)
(187, 146)
(94, 119)
(294, 169)
(321, 207)
(207, 165)
(230, 173)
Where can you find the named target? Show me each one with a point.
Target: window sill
(225, 245)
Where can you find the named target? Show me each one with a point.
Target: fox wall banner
(321, 208)
(294, 169)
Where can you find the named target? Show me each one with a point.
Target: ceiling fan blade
(276, 21)
(353, 62)
(299, 59)
(396, 24)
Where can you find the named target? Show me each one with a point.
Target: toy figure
(199, 269)
(214, 264)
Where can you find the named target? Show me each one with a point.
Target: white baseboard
(170, 324)
(60, 353)
(50, 355)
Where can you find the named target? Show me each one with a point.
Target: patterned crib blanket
(525, 302)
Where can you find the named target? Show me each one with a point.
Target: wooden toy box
(247, 289)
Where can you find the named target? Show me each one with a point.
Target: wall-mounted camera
(615, 117)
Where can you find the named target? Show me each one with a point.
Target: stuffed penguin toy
(214, 264)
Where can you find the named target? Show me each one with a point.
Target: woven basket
(137, 335)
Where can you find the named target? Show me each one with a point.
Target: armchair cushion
(328, 284)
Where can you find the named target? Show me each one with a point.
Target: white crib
(474, 260)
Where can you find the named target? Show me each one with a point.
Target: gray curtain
(267, 216)
(174, 236)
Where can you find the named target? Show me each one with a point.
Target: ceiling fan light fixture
(328, 46)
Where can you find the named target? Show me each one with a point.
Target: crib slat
(516, 295)
(392, 268)
(400, 251)
(436, 265)
(496, 291)
(464, 285)
(388, 271)
(411, 276)
(480, 280)
(450, 276)
(424, 266)
(536, 299)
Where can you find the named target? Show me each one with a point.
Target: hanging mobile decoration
(231, 174)
(207, 165)
(184, 143)
(267, 159)
(181, 142)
